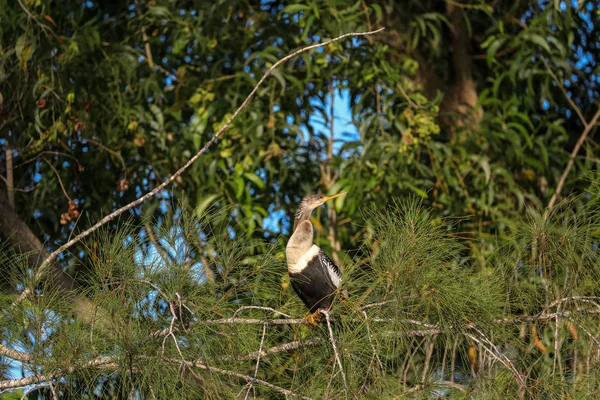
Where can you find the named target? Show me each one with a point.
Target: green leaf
(158, 115)
(378, 12)
(295, 8)
(491, 52)
(254, 179)
(203, 203)
(159, 11)
(16, 394)
(420, 192)
(279, 76)
(539, 41)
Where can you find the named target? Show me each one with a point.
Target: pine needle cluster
(186, 307)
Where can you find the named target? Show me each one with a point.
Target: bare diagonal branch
(561, 182)
(167, 182)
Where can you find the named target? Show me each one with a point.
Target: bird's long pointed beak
(327, 198)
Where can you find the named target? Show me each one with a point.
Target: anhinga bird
(314, 277)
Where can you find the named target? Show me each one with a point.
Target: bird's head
(309, 203)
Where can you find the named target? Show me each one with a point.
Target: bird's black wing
(332, 271)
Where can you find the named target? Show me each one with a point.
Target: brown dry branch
(375, 355)
(147, 47)
(47, 31)
(565, 93)
(383, 303)
(270, 309)
(180, 171)
(109, 150)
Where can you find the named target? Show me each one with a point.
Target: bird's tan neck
(298, 259)
(300, 243)
(302, 215)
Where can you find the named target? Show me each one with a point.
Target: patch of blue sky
(343, 130)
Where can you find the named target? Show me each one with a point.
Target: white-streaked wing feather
(333, 271)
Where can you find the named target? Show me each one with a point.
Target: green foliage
(472, 107)
(190, 317)
(117, 132)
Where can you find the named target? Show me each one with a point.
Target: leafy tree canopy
(485, 111)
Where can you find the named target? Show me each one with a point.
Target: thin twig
(30, 389)
(282, 347)
(54, 396)
(335, 351)
(574, 106)
(172, 332)
(111, 151)
(588, 333)
(271, 309)
(262, 340)
(10, 184)
(583, 299)
(54, 153)
(57, 177)
(161, 250)
(453, 360)
(371, 342)
(247, 378)
(561, 182)
(428, 353)
(498, 355)
(180, 171)
(44, 27)
(431, 328)
(383, 303)
(147, 47)
(408, 99)
(556, 358)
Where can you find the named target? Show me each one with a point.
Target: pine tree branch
(488, 346)
(335, 351)
(262, 341)
(159, 247)
(180, 171)
(383, 303)
(104, 362)
(432, 329)
(110, 363)
(270, 309)
(561, 182)
(247, 378)
(14, 354)
(282, 347)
